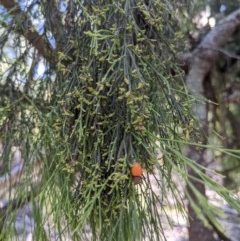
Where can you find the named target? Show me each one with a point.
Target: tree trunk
(197, 231)
(201, 63)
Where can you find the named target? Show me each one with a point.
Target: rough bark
(201, 62)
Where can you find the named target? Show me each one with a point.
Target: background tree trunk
(202, 61)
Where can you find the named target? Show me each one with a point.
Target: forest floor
(229, 219)
(177, 228)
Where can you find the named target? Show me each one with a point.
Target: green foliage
(118, 96)
(113, 94)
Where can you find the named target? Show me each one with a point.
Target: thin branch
(38, 41)
(54, 23)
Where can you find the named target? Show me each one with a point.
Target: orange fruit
(136, 169)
